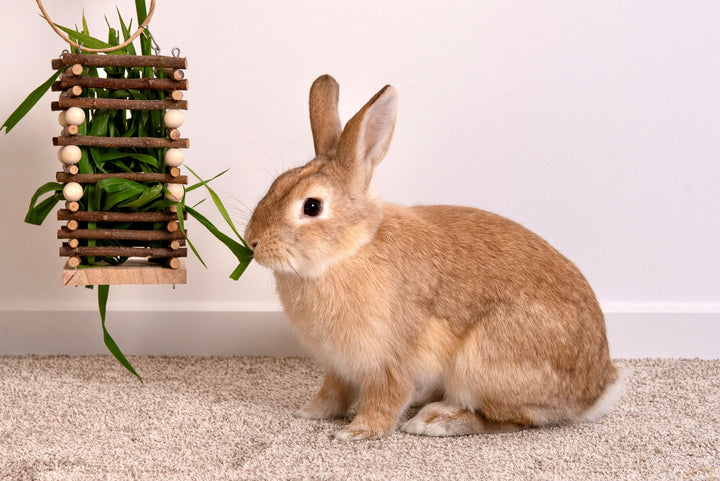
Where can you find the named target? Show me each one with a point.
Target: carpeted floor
(85, 418)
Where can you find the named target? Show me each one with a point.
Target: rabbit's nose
(253, 244)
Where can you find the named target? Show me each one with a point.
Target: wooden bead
(72, 191)
(175, 192)
(70, 154)
(173, 119)
(74, 116)
(174, 157)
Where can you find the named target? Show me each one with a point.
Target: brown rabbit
(455, 309)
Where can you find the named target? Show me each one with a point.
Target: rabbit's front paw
(358, 433)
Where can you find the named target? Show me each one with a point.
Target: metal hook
(175, 52)
(155, 46)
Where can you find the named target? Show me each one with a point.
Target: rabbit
(463, 313)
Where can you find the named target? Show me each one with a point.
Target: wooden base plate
(133, 271)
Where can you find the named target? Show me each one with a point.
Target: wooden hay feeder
(152, 241)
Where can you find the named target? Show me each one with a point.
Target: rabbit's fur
(455, 309)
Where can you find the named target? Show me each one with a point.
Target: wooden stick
(67, 251)
(70, 130)
(73, 224)
(73, 262)
(173, 263)
(83, 215)
(72, 206)
(176, 95)
(119, 104)
(119, 234)
(119, 142)
(71, 169)
(71, 71)
(174, 172)
(120, 83)
(174, 74)
(127, 61)
(172, 226)
(74, 91)
(136, 176)
(73, 243)
(173, 134)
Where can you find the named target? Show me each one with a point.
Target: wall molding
(657, 333)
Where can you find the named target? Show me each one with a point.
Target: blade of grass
(29, 103)
(219, 204)
(103, 292)
(37, 213)
(244, 254)
(181, 223)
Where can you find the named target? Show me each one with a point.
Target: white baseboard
(210, 333)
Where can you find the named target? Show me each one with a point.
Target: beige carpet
(85, 418)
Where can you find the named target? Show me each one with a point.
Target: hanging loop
(135, 35)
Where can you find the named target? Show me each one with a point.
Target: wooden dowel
(118, 104)
(174, 74)
(86, 216)
(127, 61)
(119, 234)
(73, 224)
(121, 83)
(119, 142)
(67, 251)
(172, 226)
(173, 134)
(174, 172)
(72, 206)
(73, 243)
(136, 176)
(75, 91)
(73, 262)
(176, 95)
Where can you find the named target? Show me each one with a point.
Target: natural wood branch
(127, 61)
(120, 234)
(73, 70)
(118, 104)
(86, 216)
(176, 95)
(120, 83)
(70, 130)
(67, 251)
(136, 176)
(173, 134)
(119, 142)
(174, 74)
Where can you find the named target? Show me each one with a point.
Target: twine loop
(135, 35)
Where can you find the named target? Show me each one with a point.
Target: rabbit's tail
(609, 398)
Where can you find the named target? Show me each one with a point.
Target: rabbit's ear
(366, 138)
(324, 117)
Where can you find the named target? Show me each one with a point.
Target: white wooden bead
(72, 191)
(175, 192)
(70, 154)
(174, 157)
(173, 119)
(61, 119)
(74, 116)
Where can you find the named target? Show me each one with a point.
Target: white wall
(595, 124)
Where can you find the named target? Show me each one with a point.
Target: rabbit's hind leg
(445, 419)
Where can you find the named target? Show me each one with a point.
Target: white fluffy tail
(608, 399)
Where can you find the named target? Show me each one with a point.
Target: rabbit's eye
(312, 207)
